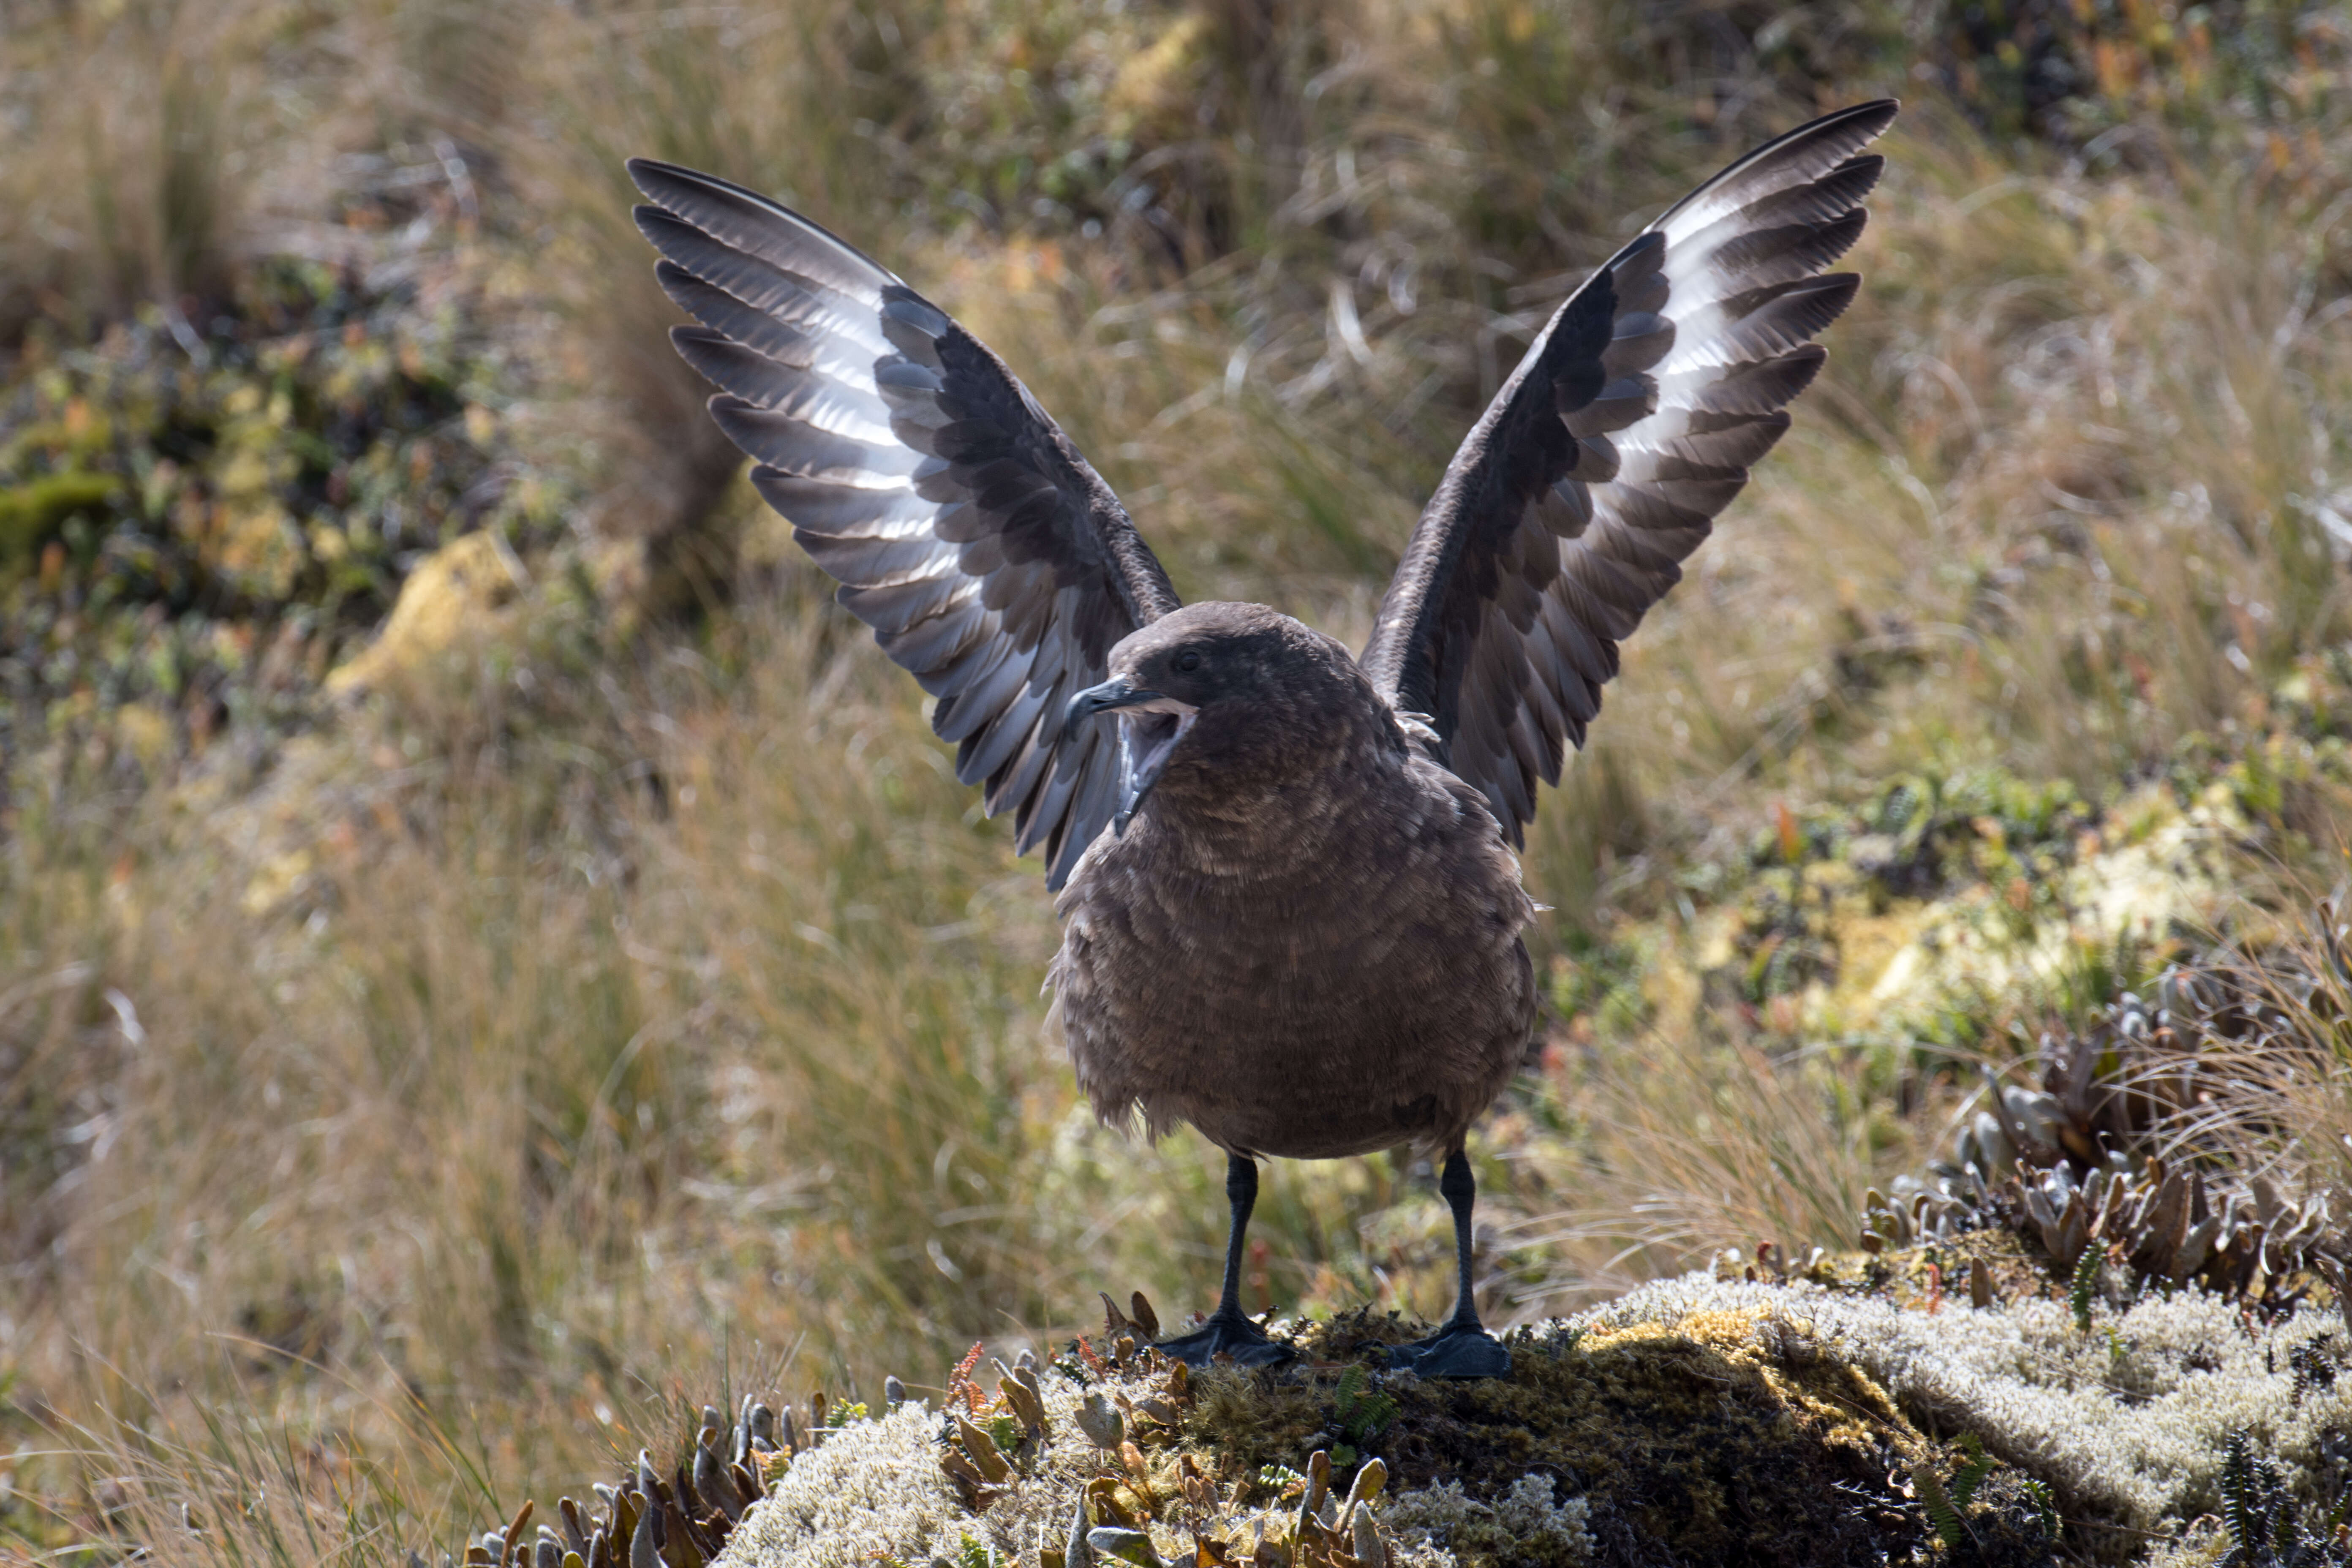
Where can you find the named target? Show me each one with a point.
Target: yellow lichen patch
(260, 550)
(1724, 1431)
(1868, 946)
(1782, 1351)
(1881, 935)
(1155, 89)
(146, 731)
(456, 595)
(277, 879)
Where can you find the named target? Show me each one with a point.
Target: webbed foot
(1468, 1351)
(1235, 1336)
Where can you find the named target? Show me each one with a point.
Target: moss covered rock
(1699, 1420)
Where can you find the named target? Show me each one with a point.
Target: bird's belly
(1297, 1035)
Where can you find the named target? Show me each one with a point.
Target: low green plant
(2044, 1504)
(2265, 1525)
(1947, 1503)
(32, 513)
(1361, 1413)
(1943, 1511)
(2083, 1288)
(1972, 1471)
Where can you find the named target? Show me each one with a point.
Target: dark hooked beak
(1119, 691)
(1150, 725)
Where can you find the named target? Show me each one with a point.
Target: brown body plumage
(1292, 911)
(1308, 946)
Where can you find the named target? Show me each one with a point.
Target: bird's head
(1225, 694)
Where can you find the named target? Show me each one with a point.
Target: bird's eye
(1188, 661)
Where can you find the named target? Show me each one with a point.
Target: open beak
(1149, 726)
(1119, 691)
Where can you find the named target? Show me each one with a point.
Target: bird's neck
(1286, 808)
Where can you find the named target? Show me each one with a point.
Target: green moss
(1723, 1439)
(32, 513)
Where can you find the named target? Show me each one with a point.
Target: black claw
(1236, 1336)
(1461, 1352)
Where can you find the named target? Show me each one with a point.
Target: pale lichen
(874, 1489)
(2129, 1423)
(1526, 1524)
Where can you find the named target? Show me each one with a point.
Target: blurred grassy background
(415, 1082)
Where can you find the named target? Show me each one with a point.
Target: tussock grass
(547, 1030)
(1690, 1148)
(146, 118)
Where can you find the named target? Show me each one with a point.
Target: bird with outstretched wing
(1291, 909)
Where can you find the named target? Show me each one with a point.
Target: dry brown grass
(614, 1027)
(144, 140)
(1688, 1149)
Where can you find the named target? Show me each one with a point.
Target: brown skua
(1291, 903)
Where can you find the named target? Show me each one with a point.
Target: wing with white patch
(991, 559)
(1605, 457)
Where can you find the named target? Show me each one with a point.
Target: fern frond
(2086, 1282)
(1938, 1504)
(1971, 1474)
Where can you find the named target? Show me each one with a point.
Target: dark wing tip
(665, 183)
(1850, 128)
(662, 183)
(643, 171)
(1878, 113)
(690, 195)
(1869, 120)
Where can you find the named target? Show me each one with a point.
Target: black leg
(1229, 1330)
(1460, 1190)
(1463, 1348)
(1241, 1195)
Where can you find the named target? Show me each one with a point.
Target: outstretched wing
(989, 558)
(1602, 464)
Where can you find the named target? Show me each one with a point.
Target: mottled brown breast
(1334, 970)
